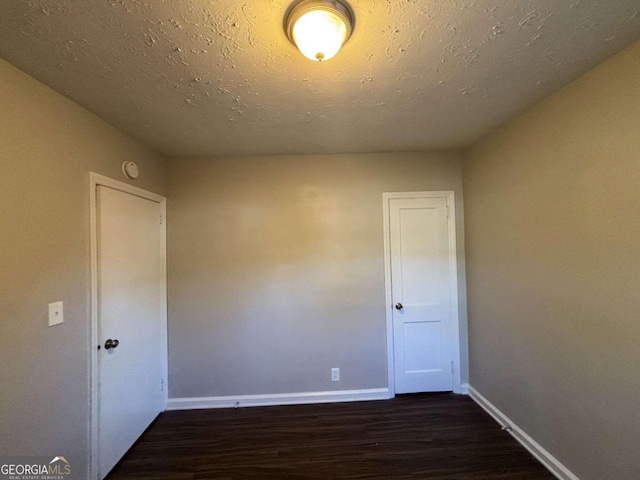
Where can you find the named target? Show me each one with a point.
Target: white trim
(391, 380)
(549, 461)
(464, 389)
(96, 180)
(278, 399)
(453, 265)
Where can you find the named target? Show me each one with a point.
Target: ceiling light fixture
(319, 28)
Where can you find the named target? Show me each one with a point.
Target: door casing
(453, 262)
(96, 180)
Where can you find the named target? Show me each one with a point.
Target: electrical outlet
(335, 374)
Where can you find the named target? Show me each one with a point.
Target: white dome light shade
(319, 34)
(319, 28)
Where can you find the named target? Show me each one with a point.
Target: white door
(130, 316)
(422, 275)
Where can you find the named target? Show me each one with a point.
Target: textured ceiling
(204, 77)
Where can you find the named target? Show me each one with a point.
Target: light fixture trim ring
(299, 8)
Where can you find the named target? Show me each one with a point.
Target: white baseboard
(549, 461)
(279, 399)
(464, 389)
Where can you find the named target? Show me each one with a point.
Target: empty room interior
(320, 239)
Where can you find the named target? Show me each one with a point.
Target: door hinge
(447, 211)
(453, 368)
(161, 219)
(162, 384)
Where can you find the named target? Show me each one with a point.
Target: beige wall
(276, 269)
(553, 266)
(48, 144)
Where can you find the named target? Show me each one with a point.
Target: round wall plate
(130, 170)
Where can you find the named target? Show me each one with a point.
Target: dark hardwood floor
(438, 436)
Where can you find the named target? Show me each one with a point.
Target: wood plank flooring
(437, 436)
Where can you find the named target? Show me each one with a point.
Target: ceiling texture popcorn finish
(198, 77)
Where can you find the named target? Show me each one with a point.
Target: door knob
(111, 344)
(399, 306)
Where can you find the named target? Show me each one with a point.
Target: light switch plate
(56, 313)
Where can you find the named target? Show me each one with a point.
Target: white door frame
(453, 262)
(96, 180)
